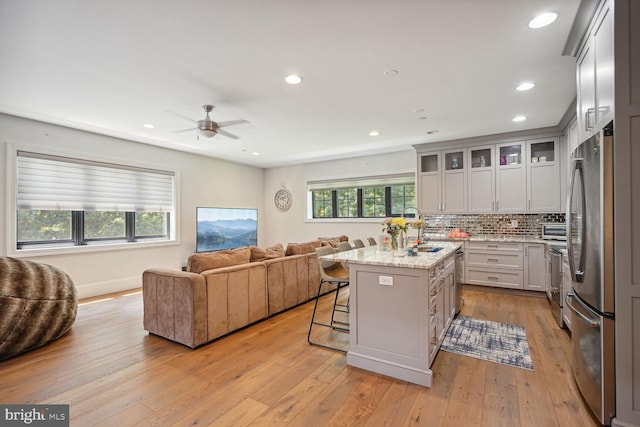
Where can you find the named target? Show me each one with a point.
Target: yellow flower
(400, 222)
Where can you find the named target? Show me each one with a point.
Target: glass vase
(394, 242)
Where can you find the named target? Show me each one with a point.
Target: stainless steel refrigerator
(590, 247)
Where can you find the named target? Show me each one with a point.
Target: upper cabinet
(543, 176)
(442, 181)
(594, 75)
(481, 184)
(509, 177)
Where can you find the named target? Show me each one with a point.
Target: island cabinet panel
(399, 310)
(385, 311)
(389, 323)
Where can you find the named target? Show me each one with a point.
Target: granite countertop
(373, 255)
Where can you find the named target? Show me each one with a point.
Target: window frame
(46, 248)
(360, 200)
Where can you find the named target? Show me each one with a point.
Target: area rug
(496, 342)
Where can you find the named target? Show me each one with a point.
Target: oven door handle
(590, 322)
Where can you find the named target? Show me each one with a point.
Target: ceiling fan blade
(231, 123)
(184, 130)
(227, 134)
(181, 116)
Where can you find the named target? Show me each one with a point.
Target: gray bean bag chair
(38, 304)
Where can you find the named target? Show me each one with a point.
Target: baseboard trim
(108, 287)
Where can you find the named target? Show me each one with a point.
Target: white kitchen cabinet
(498, 264)
(534, 267)
(543, 175)
(510, 178)
(481, 183)
(497, 179)
(595, 80)
(443, 181)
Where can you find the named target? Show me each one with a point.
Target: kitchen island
(400, 309)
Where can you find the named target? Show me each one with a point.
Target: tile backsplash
(478, 224)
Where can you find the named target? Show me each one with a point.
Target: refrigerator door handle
(577, 272)
(590, 322)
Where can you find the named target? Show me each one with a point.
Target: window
(347, 200)
(66, 202)
(363, 198)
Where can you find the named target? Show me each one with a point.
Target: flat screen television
(225, 228)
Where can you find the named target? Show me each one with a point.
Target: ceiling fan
(208, 128)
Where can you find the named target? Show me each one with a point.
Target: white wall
(203, 181)
(292, 225)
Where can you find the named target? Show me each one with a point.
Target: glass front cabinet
(442, 181)
(543, 176)
(509, 177)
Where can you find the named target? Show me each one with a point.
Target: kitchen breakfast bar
(400, 307)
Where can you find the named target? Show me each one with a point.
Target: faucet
(420, 217)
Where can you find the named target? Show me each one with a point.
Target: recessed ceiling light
(418, 110)
(255, 153)
(519, 118)
(525, 86)
(148, 126)
(293, 79)
(391, 73)
(423, 117)
(432, 132)
(374, 133)
(543, 20)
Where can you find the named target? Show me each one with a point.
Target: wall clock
(283, 199)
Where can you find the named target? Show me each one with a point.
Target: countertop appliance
(554, 231)
(590, 249)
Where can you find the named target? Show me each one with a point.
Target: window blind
(58, 183)
(377, 181)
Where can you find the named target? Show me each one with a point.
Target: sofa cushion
(197, 263)
(260, 254)
(302, 248)
(341, 238)
(331, 242)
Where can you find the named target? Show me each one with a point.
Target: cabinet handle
(492, 246)
(529, 204)
(497, 205)
(492, 260)
(526, 251)
(587, 122)
(492, 278)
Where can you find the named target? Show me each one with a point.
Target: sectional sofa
(223, 291)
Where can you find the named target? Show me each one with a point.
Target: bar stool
(358, 243)
(330, 272)
(372, 241)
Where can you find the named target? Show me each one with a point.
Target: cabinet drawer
(494, 246)
(501, 278)
(510, 260)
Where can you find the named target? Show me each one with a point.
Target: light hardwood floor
(112, 373)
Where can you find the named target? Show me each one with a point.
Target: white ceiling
(111, 66)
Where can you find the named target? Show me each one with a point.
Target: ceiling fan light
(207, 133)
